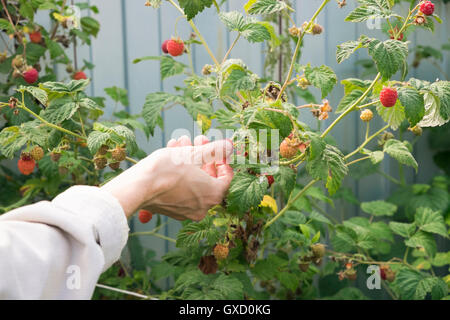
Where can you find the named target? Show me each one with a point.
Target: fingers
(200, 140)
(210, 168)
(217, 151)
(183, 141)
(225, 174)
(172, 143)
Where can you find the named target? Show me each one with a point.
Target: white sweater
(58, 249)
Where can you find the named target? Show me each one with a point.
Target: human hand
(171, 181)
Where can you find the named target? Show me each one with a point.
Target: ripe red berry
(145, 216)
(31, 75)
(388, 97)
(427, 8)
(164, 46)
(175, 47)
(270, 179)
(79, 75)
(26, 164)
(36, 37)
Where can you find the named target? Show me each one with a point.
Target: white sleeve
(58, 249)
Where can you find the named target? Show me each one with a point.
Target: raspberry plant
(270, 238)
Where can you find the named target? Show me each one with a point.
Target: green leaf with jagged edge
(441, 90)
(413, 103)
(193, 7)
(405, 230)
(118, 134)
(423, 240)
(168, 66)
(226, 119)
(268, 268)
(59, 110)
(415, 285)
(70, 87)
(195, 232)
(251, 29)
(154, 103)
(348, 100)
(375, 156)
(388, 55)
(39, 94)
(238, 80)
(5, 25)
(393, 116)
(285, 177)
(90, 26)
(246, 191)
(322, 77)
(118, 95)
(351, 84)
(95, 140)
(370, 9)
(329, 166)
(346, 49)
(379, 208)
(399, 151)
(344, 239)
(266, 6)
(288, 280)
(430, 221)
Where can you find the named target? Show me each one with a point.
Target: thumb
(217, 151)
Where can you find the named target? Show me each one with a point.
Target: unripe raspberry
(55, 156)
(114, 165)
(317, 29)
(303, 265)
(318, 250)
(294, 31)
(103, 150)
(206, 70)
(37, 153)
(289, 148)
(390, 275)
(388, 97)
(145, 216)
(427, 8)
(366, 115)
(26, 164)
(118, 154)
(416, 130)
(100, 163)
(351, 274)
(221, 251)
(420, 20)
(17, 62)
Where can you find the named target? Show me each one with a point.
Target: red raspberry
(164, 46)
(26, 164)
(427, 8)
(145, 216)
(175, 47)
(270, 179)
(31, 75)
(388, 97)
(36, 37)
(79, 75)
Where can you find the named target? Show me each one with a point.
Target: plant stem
(358, 160)
(367, 130)
(405, 257)
(151, 233)
(231, 48)
(51, 125)
(82, 124)
(290, 202)
(131, 160)
(197, 32)
(350, 109)
(297, 48)
(392, 179)
(138, 295)
(366, 142)
(368, 104)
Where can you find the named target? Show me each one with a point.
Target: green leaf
(423, 240)
(414, 285)
(71, 87)
(402, 229)
(169, 67)
(233, 20)
(193, 7)
(375, 156)
(388, 55)
(118, 95)
(346, 49)
(329, 166)
(246, 191)
(441, 90)
(251, 29)
(394, 116)
(430, 221)
(95, 140)
(413, 103)
(433, 117)
(154, 102)
(194, 232)
(39, 94)
(11, 141)
(54, 48)
(370, 9)
(230, 288)
(286, 178)
(268, 268)
(238, 80)
(60, 110)
(399, 151)
(344, 240)
(266, 6)
(322, 77)
(256, 32)
(5, 25)
(90, 26)
(379, 208)
(288, 280)
(348, 100)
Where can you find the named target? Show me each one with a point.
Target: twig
(138, 295)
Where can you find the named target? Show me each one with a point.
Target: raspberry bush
(271, 237)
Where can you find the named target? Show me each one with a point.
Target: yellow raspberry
(221, 251)
(366, 115)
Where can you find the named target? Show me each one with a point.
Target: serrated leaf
(193, 233)
(286, 178)
(423, 240)
(246, 191)
(430, 221)
(168, 66)
(238, 80)
(441, 90)
(266, 6)
(90, 26)
(375, 156)
(379, 208)
(154, 103)
(288, 280)
(60, 110)
(330, 166)
(402, 229)
(118, 95)
(414, 285)
(388, 55)
(193, 7)
(96, 139)
(413, 103)
(39, 94)
(348, 100)
(433, 117)
(370, 9)
(399, 151)
(70, 87)
(393, 116)
(346, 49)
(322, 77)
